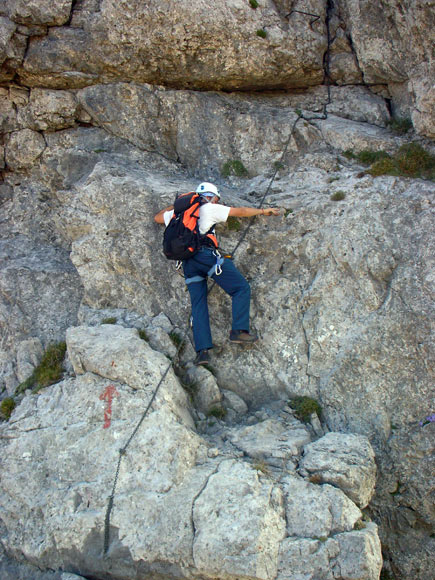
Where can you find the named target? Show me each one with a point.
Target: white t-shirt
(209, 215)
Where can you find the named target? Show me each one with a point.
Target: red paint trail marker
(107, 395)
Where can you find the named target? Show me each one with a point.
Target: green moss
(110, 320)
(349, 154)
(400, 125)
(367, 157)
(304, 407)
(338, 196)
(217, 412)
(233, 224)
(143, 335)
(49, 371)
(234, 167)
(261, 33)
(6, 407)
(254, 4)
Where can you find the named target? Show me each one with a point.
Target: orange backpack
(182, 239)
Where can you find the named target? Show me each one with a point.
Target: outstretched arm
(252, 211)
(159, 216)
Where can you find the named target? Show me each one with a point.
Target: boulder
(206, 393)
(344, 460)
(39, 11)
(23, 148)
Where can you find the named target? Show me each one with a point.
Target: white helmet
(208, 188)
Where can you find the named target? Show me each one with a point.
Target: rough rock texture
(217, 516)
(216, 48)
(337, 459)
(394, 42)
(108, 109)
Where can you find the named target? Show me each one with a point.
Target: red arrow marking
(107, 395)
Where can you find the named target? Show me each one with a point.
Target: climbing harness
(215, 270)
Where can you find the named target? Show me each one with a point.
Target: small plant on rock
(261, 465)
(143, 335)
(304, 407)
(400, 125)
(109, 320)
(49, 371)
(176, 339)
(6, 407)
(367, 157)
(218, 412)
(191, 388)
(233, 224)
(359, 525)
(254, 4)
(261, 33)
(234, 167)
(338, 196)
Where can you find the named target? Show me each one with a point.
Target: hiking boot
(242, 337)
(202, 358)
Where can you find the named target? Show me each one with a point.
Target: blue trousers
(229, 280)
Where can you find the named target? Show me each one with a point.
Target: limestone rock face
(23, 148)
(108, 109)
(393, 45)
(177, 512)
(39, 11)
(210, 47)
(334, 456)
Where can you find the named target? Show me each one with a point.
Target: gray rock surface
(344, 460)
(23, 148)
(215, 49)
(101, 128)
(217, 515)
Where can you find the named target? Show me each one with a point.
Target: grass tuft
(261, 465)
(6, 407)
(411, 160)
(217, 412)
(400, 125)
(110, 320)
(367, 157)
(338, 196)
(234, 167)
(304, 407)
(233, 224)
(143, 335)
(48, 372)
(176, 339)
(254, 4)
(261, 33)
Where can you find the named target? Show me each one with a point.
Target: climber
(207, 261)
